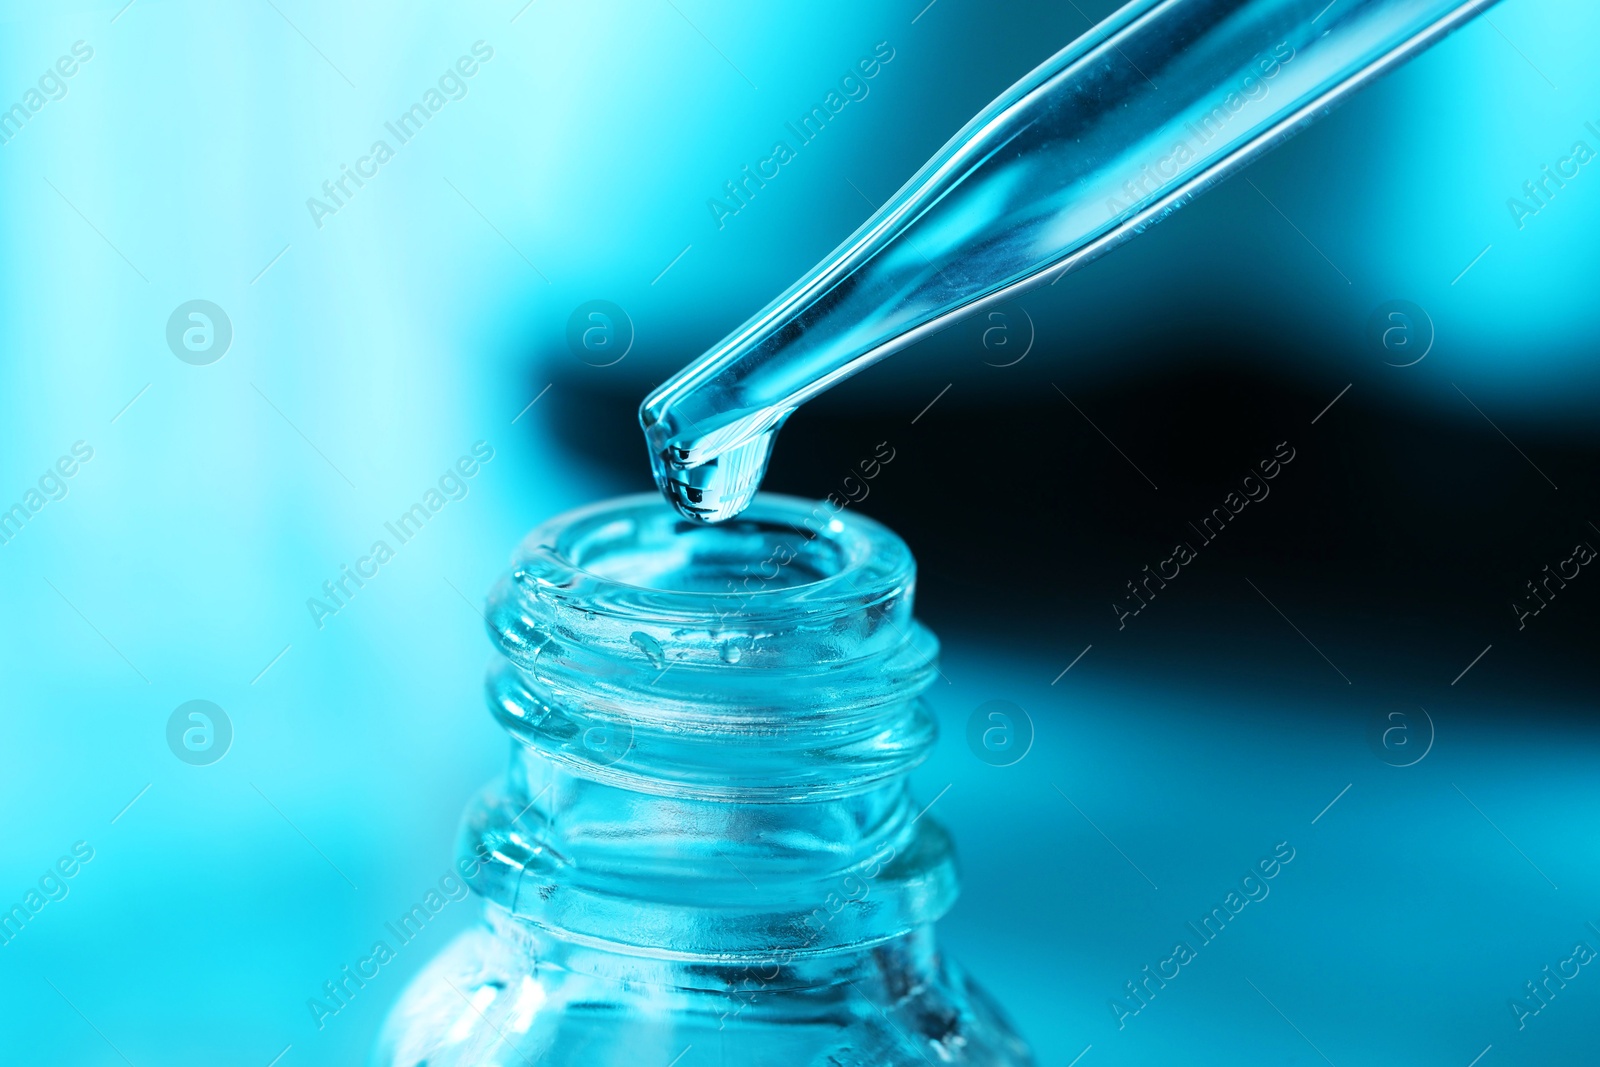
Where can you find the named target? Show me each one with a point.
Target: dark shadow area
(1389, 546)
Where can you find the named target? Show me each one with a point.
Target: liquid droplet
(720, 488)
(650, 647)
(730, 652)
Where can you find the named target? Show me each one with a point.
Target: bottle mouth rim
(637, 661)
(784, 553)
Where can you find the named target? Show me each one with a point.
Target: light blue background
(429, 312)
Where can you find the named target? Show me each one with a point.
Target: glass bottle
(705, 850)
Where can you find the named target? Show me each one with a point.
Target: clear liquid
(719, 488)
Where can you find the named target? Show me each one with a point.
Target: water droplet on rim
(650, 647)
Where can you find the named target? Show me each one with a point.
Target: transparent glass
(706, 839)
(1115, 132)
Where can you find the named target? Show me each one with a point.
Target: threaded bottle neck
(713, 726)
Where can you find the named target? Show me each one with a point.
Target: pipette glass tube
(1113, 133)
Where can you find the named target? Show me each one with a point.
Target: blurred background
(1354, 666)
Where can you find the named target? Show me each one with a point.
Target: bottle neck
(672, 799)
(683, 878)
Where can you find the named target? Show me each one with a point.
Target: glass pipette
(1159, 102)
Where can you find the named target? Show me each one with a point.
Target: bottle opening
(783, 561)
(661, 550)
